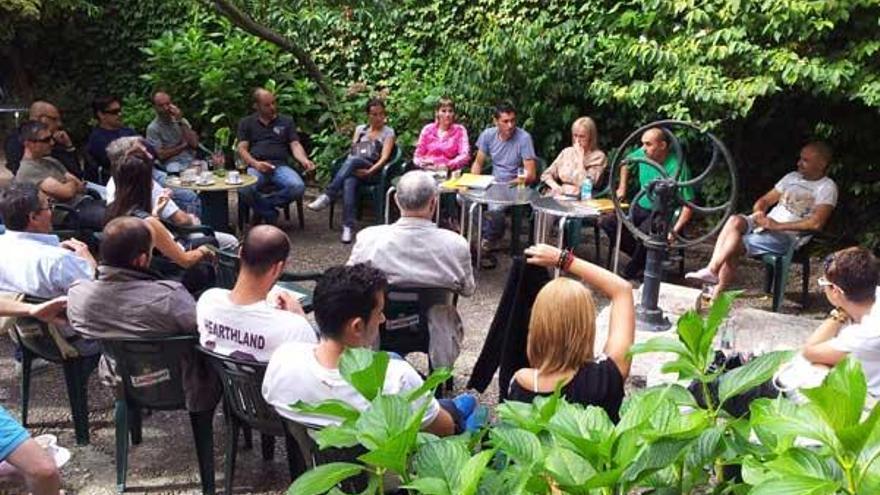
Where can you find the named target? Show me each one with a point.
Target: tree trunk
(244, 22)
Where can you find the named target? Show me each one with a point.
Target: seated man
(116, 152)
(266, 140)
(510, 149)
(37, 263)
(804, 201)
(63, 149)
(850, 283)
(655, 146)
(171, 135)
(41, 169)
(108, 113)
(252, 320)
(127, 301)
(414, 252)
(348, 308)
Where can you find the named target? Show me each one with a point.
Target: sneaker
(703, 275)
(346, 235)
(465, 403)
(320, 203)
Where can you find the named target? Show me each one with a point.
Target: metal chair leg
(121, 444)
(299, 213)
(26, 363)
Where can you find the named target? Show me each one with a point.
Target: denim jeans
(346, 183)
(494, 222)
(289, 184)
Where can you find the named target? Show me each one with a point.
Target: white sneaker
(346, 235)
(320, 203)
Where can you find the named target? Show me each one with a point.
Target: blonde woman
(580, 160)
(562, 334)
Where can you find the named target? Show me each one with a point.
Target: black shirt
(268, 142)
(595, 384)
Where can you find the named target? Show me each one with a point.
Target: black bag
(738, 405)
(368, 150)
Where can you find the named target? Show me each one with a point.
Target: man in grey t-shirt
(509, 148)
(171, 135)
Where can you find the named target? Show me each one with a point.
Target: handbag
(367, 150)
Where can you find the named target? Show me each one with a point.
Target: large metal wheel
(720, 162)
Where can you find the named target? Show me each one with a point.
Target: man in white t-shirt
(803, 202)
(853, 327)
(349, 301)
(252, 320)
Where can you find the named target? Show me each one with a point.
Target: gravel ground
(166, 463)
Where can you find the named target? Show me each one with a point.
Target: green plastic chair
(150, 370)
(36, 341)
(245, 407)
(313, 456)
(777, 268)
(376, 187)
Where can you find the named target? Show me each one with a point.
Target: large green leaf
(653, 457)
(392, 453)
(841, 395)
(387, 417)
(690, 331)
(521, 445)
(434, 380)
(588, 431)
(364, 370)
(340, 436)
(803, 463)
(428, 486)
(717, 313)
(750, 375)
(442, 459)
(322, 478)
(659, 344)
(801, 421)
(568, 468)
(332, 407)
(703, 451)
(472, 472)
(796, 486)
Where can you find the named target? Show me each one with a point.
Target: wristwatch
(839, 315)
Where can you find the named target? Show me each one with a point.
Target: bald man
(266, 141)
(63, 149)
(252, 320)
(803, 199)
(171, 135)
(655, 147)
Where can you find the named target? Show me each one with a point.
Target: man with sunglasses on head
(802, 201)
(41, 169)
(853, 326)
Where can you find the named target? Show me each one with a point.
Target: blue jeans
(186, 199)
(289, 184)
(346, 184)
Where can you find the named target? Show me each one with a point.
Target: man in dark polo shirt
(266, 140)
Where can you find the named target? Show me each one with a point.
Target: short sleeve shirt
(362, 134)
(294, 374)
(862, 340)
(507, 156)
(648, 173)
(597, 383)
(100, 138)
(801, 196)
(167, 133)
(269, 142)
(35, 171)
(249, 332)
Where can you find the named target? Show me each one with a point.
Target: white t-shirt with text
(250, 332)
(862, 341)
(294, 374)
(801, 196)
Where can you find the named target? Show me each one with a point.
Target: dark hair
(133, 176)
(125, 238)
(102, 103)
(375, 102)
(17, 202)
(503, 107)
(30, 130)
(262, 247)
(823, 149)
(855, 271)
(346, 292)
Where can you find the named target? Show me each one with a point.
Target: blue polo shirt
(507, 156)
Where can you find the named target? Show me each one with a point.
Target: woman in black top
(562, 332)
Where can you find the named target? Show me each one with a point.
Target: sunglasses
(112, 111)
(47, 139)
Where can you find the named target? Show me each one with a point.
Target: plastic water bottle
(586, 189)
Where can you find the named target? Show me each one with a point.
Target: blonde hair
(588, 125)
(562, 327)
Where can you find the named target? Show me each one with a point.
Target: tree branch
(244, 22)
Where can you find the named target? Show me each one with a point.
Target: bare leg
(729, 244)
(37, 467)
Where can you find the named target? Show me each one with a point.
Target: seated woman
(134, 181)
(371, 149)
(443, 144)
(580, 160)
(560, 343)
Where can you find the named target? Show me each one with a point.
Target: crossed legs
(729, 247)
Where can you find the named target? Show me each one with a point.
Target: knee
(41, 471)
(737, 223)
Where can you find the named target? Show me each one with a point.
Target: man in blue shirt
(510, 149)
(108, 113)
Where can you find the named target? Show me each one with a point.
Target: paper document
(469, 180)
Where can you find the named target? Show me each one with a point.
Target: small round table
(549, 207)
(215, 198)
(495, 195)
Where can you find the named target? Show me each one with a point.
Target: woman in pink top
(443, 143)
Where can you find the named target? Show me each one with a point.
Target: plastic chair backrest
(227, 266)
(33, 334)
(316, 457)
(242, 382)
(151, 369)
(406, 317)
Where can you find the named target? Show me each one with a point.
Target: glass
(218, 160)
(521, 177)
(240, 164)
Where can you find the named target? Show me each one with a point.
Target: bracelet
(568, 262)
(565, 259)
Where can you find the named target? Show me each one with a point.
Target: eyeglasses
(47, 139)
(113, 111)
